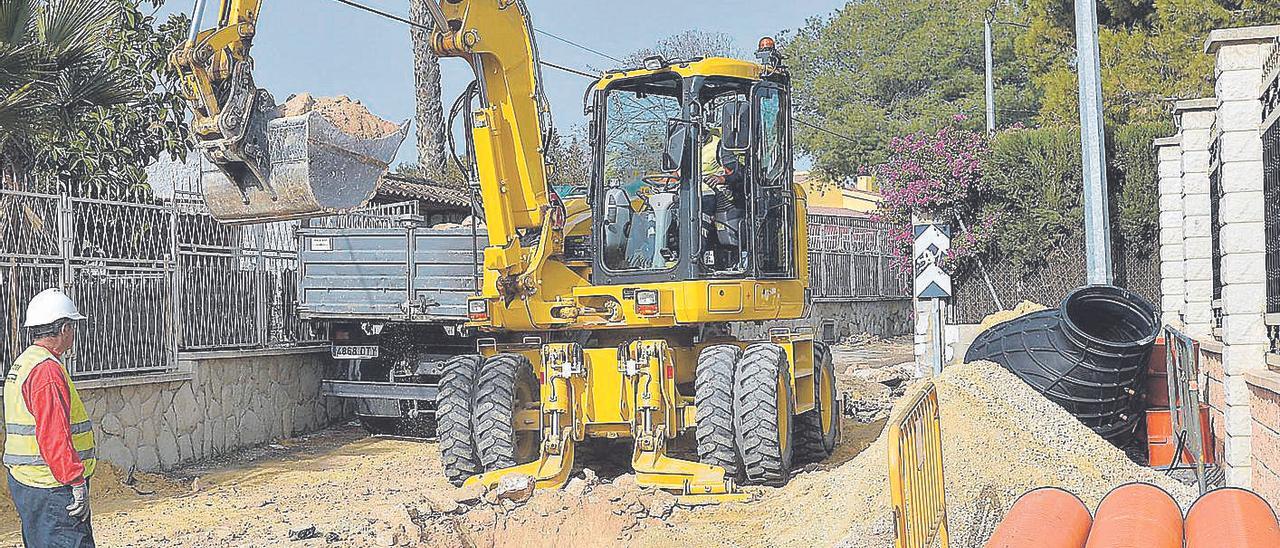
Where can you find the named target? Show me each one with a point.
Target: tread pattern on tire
(494, 411)
(713, 397)
(764, 458)
(453, 418)
(810, 440)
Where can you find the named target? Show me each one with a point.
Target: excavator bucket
(291, 167)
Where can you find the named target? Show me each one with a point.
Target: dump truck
(391, 292)
(692, 223)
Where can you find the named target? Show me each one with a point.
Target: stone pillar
(1239, 56)
(1195, 118)
(1173, 291)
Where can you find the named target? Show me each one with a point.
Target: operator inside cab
(724, 177)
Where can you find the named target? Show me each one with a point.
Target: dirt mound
(110, 489)
(346, 113)
(1022, 309)
(1000, 439)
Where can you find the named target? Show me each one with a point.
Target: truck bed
(406, 273)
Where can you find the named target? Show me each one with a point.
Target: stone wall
(1264, 400)
(888, 318)
(223, 404)
(1213, 393)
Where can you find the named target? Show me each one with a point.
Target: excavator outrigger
(618, 323)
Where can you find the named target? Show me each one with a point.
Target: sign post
(933, 284)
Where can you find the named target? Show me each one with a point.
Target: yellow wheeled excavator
(617, 323)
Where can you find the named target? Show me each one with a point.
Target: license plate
(354, 352)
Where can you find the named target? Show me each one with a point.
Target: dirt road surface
(343, 488)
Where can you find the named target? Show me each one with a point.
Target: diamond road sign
(931, 244)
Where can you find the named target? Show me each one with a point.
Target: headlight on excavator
(654, 62)
(478, 310)
(647, 302)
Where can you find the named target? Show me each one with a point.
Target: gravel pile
(1000, 439)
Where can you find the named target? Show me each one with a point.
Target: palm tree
(55, 64)
(432, 156)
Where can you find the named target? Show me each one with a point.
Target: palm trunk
(430, 110)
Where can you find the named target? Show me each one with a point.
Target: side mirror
(673, 155)
(735, 126)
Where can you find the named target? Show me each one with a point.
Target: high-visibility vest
(21, 452)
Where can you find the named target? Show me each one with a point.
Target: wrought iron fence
(849, 259)
(153, 279)
(1271, 197)
(1215, 222)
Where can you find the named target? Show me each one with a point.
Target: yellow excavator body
(606, 315)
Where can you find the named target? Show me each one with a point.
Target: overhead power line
(579, 46)
(823, 130)
(421, 26)
(559, 67)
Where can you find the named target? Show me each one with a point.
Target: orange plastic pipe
(1232, 517)
(1047, 517)
(1137, 515)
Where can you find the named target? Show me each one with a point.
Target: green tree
(876, 69)
(1151, 52)
(87, 99)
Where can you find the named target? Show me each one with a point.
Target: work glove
(79, 507)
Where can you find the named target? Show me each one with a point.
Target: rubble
(344, 112)
(516, 488)
(1022, 309)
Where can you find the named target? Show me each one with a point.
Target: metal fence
(850, 259)
(153, 278)
(1215, 222)
(1271, 202)
(1062, 271)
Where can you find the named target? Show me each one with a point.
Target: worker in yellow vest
(48, 445)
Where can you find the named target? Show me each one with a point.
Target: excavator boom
(264, 166)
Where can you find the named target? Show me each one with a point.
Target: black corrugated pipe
(1088, 355)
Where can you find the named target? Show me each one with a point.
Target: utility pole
(991, 84)
(1097, 227)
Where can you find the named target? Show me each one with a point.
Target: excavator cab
(263, 164)
(694, 170)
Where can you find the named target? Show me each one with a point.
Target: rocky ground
(341, 487)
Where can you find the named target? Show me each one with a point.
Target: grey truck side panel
(406, 274)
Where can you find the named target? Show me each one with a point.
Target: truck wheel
(506, 385)
(763, 409)
(816, 430)
(453, 418)
(713, 396)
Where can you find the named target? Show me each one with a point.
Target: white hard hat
(49, 306)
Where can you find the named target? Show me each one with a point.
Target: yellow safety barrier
(915, 474)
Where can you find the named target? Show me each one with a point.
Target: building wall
(217, 405)
(1223, 131)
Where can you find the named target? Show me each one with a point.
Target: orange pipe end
(1137, 515)
(1047, 517)
(1232, 517)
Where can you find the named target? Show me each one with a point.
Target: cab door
(772, 201)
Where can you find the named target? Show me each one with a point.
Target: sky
(327, 49)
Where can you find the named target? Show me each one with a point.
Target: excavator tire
(763, 413)
(506, 384)
(713, 396)
(814, 441)
(453, 418)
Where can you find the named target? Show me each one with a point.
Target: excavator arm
(273, 168)
(509, 132)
